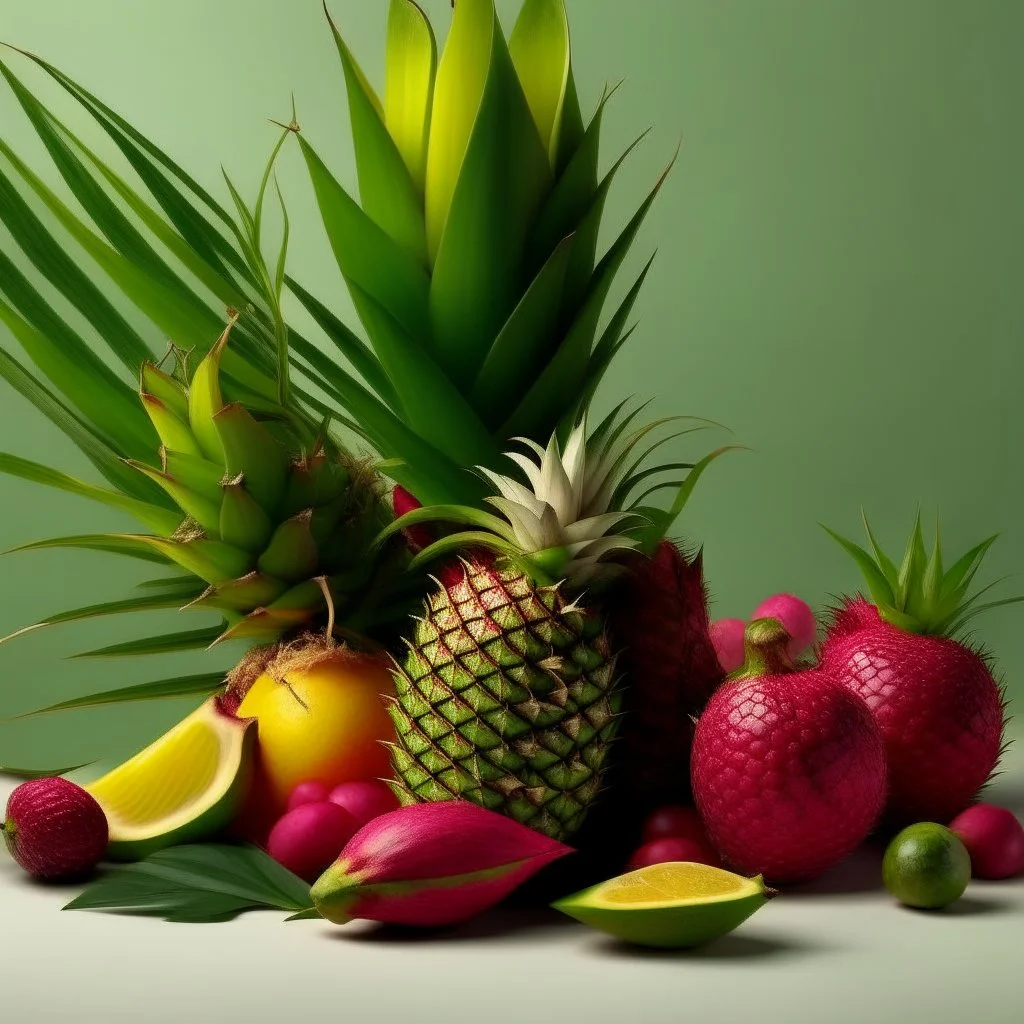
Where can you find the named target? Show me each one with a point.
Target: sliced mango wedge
(186, 786)
(676, 905)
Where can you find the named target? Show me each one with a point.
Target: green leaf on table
(197, 883)
(40, 773)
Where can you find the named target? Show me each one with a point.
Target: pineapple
(508, 695)
(268, 524)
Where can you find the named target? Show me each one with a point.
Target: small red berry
(55, 830)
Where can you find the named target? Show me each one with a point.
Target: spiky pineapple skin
(508, 698)
(659, 622)
(939, 708)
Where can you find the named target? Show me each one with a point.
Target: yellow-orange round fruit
(321, 716)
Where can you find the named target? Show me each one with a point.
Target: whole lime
(926, 866)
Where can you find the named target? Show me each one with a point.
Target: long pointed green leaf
(366, 254)
(386, 189)
(350, 345)
(97, 451)
(524, 342)
(49, 257)
(457, 542)
(169, 304)
(169, 643)
(409, 86)
(567, 371)
(151, 602)
(435, 408)
(448, 514)
(161, 689)
(145, 158)
(154, 518)
(41, 773)
(72, 368)
(878, 586)
(481, 252)
(114, 544)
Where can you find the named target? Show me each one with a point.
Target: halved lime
(674, 905)
(185, 786)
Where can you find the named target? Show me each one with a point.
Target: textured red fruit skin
(659, 622)
(432, 865)
(936, 702)
(55, 830)
(788, 774)
(994, 838)
(673, 848)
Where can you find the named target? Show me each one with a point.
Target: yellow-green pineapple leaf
(205, 401)
(386, 188)
(540, 52)
(409, 85)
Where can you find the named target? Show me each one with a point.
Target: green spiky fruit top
(920, 594)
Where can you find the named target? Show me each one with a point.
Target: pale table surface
(838, 950)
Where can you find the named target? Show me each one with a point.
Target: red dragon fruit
(788, 766)
(660, 623)
(934, 696)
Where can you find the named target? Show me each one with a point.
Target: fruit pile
(474, 654)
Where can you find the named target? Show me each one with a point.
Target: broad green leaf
(366, 254)
(409, 85)
(462, 74)
(539, 47)
(502, 180)
(197, 883)
(152, 602)
(386, 189)
(50, 259)
(72, 367)
(350, 345)
(153, 517)
(97, 451)
(161, 689)
(524, 344)
(567, 371)
(878, 586)
(169, 643)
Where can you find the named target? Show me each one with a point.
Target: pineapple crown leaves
(576, 508)
(920, 595)
(470, 342)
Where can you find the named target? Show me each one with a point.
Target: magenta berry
(994, 838)
(364, 800)
(795, 615)
(308, 838)
(673, 848)
(55, 830)
(307, 793)
(727, 640)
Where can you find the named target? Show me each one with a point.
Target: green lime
(927, 866)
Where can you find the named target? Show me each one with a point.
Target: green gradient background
(841, 257)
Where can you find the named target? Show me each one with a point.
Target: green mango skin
(212, 819)
(667, 927)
